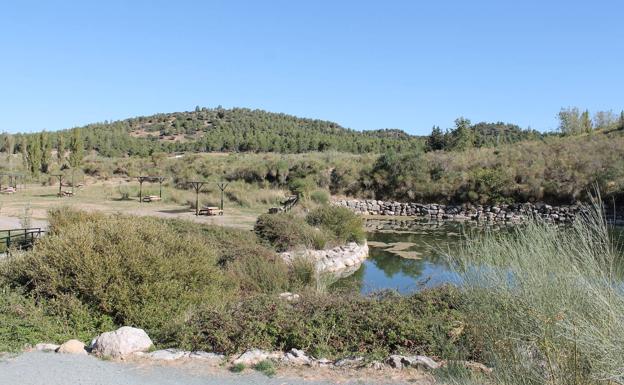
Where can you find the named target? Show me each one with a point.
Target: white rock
(200, 355)
(168, 354)
(420, 361)
(350, 362)
(72, 347)
(290, 297)
(395, 361)
(44, 347)
(253, 356)
(121, 342)
(297, 357)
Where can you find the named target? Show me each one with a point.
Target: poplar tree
(60, 149)
(76, 146)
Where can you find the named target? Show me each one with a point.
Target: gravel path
(38, 368)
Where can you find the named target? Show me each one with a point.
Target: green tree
(60, 149)
(570, 121)
(436, 140)
(76, 146)
(9, 148)
(45, 153)
(586, 123)
(24, 151)
(462, 136)
(621, 121)
(34, 154)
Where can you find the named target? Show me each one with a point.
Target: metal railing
(19, 238)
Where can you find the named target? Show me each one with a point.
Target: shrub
(327, 325)
(138, 271)
(342, 223)
(320, 197)
(27, 321)
(286, 230)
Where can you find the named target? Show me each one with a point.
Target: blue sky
(363, 64)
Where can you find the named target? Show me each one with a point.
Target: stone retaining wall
(338, 260)
(494, 213)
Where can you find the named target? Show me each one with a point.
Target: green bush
(27, 321)
(137, 271)
(320, 197)
(286, 230)
(342, 223)
(327, 325)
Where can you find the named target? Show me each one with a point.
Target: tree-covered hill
(236, 130)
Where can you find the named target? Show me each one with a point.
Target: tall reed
(546, 303)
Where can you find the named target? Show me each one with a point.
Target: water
(408, 255)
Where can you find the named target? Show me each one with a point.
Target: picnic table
(65, 194)
(210, 210)
(151, 198)
(8, 190)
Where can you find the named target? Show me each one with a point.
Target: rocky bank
(487, 213)
(340, 260)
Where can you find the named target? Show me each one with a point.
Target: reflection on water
(408, 255)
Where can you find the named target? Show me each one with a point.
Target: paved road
(59, 369)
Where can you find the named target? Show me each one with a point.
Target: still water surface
(408, 255)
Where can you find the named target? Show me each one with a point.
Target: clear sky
(363, 64)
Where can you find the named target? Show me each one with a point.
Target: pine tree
(621, 121)
(436, 141)
(463, 136)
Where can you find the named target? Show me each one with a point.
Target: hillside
(236, 130)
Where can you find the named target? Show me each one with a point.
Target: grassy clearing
(546, 304)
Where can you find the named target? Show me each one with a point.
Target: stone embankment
(494, 213)
(340, 260)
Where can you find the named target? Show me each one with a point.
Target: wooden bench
(151, 198)
(210, 211)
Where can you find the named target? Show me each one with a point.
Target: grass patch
(266, 367)
(237, 368)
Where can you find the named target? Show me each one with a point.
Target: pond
(408, 255)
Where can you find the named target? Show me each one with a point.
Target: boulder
(72, 347)
(253, 356)
(121, 342)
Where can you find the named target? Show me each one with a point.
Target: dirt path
(38, 368)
